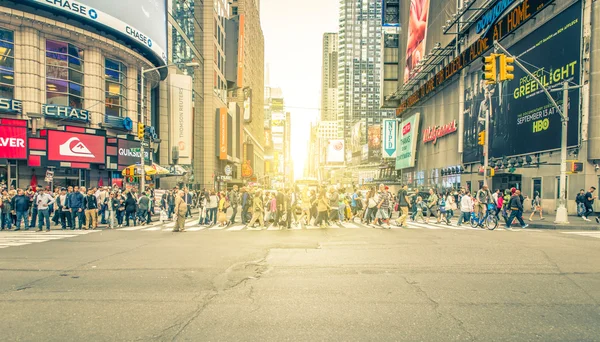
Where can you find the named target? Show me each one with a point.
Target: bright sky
(293, 46)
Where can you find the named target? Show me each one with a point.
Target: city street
(302, 284)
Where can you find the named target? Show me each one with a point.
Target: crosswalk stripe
(237, 227)
(217, 227)
(152, 229)
(273, 227)
(424, 225)
(131, 228)
(351, 225)
(22, 238)
(195, 229)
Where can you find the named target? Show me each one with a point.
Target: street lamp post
(143, 119)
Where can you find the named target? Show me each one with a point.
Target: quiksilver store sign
(66, 113)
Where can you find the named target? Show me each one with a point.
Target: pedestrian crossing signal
(481, 139)
(506, 68)
(490, 172)
(574, 166)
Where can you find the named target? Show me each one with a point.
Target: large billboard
(522, 119)
(142, 21)
(417, 32)
(374, 142)
(407, 142)
(335, 151)
(358, 136)
(13, 142)
(75, 147)
(128, 152)
(181, 116)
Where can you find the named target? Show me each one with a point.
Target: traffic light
(506, 68)
(574, 166)
(141, 131)
(481, 139)
(489, 68)
(490, 172)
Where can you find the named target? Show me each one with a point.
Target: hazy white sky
(293, 46)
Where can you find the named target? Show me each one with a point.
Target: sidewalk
(575, 223)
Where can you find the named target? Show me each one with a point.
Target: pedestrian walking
(323, 205)
(180, 211)
(403, 206)
(143, 207)
(536, 206)
(383, 206)
(234, 200)
(112, 205)
(130, 209)
(450, 207)
(589, 198)
(432, 206)
(580, 201)
(466, 208)
(421, 208)
(516, 210)
(75, 204)
(257, 211)
(5, 211)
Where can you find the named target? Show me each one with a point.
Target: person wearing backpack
(536, 204)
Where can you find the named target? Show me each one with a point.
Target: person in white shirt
(466, 208)
(43, 201)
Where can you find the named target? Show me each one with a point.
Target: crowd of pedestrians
(73, 207)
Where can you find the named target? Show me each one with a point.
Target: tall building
(359, 64)
(329, 78)
(248, 91)
(215, 14)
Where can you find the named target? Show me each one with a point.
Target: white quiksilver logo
(75, 148)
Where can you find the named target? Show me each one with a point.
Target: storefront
(448, 106)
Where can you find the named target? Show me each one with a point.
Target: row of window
(65, 75)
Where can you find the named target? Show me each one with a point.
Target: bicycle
(490, 221)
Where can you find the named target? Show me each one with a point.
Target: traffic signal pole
(562, 216)
(142, 161)
(486, 149)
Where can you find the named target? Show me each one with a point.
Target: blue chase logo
(93, 14)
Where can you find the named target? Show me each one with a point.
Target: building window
(7, 64)
(64, 74)
(234, 11)
(116, 87)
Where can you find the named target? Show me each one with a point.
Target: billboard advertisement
(76, 147)
(181, 116)
(335, 151)
(13, 142)
(407, 142)
(390, 137)
(358, 136)
(522, 119)
(128, 152)
(417, 32)
(141, 21)
(374, 142)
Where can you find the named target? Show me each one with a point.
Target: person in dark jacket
(130, 209)
(90, 203)
(75, 204)
(516, 210)
(20, 205)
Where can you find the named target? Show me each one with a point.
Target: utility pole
(142, 162)
(562, 216)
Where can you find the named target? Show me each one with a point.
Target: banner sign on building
(241, 48)
(417, 34)
(407, 142)
(129, 152)
(223, 133)
(11, 106)
(76, 147)
(13, 142)
(144, 22)
(503, 27)
(181, 116)
(358, 136)
(335, 151)
(432, 133)
(523, 119)
(52, 111)
(390, 138)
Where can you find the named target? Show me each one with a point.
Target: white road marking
(237, 227)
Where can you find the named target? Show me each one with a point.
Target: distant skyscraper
(329, 75)
(359, 64)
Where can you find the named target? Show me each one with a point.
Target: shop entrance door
(507, 181)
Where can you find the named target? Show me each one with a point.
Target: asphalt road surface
(361, 284)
